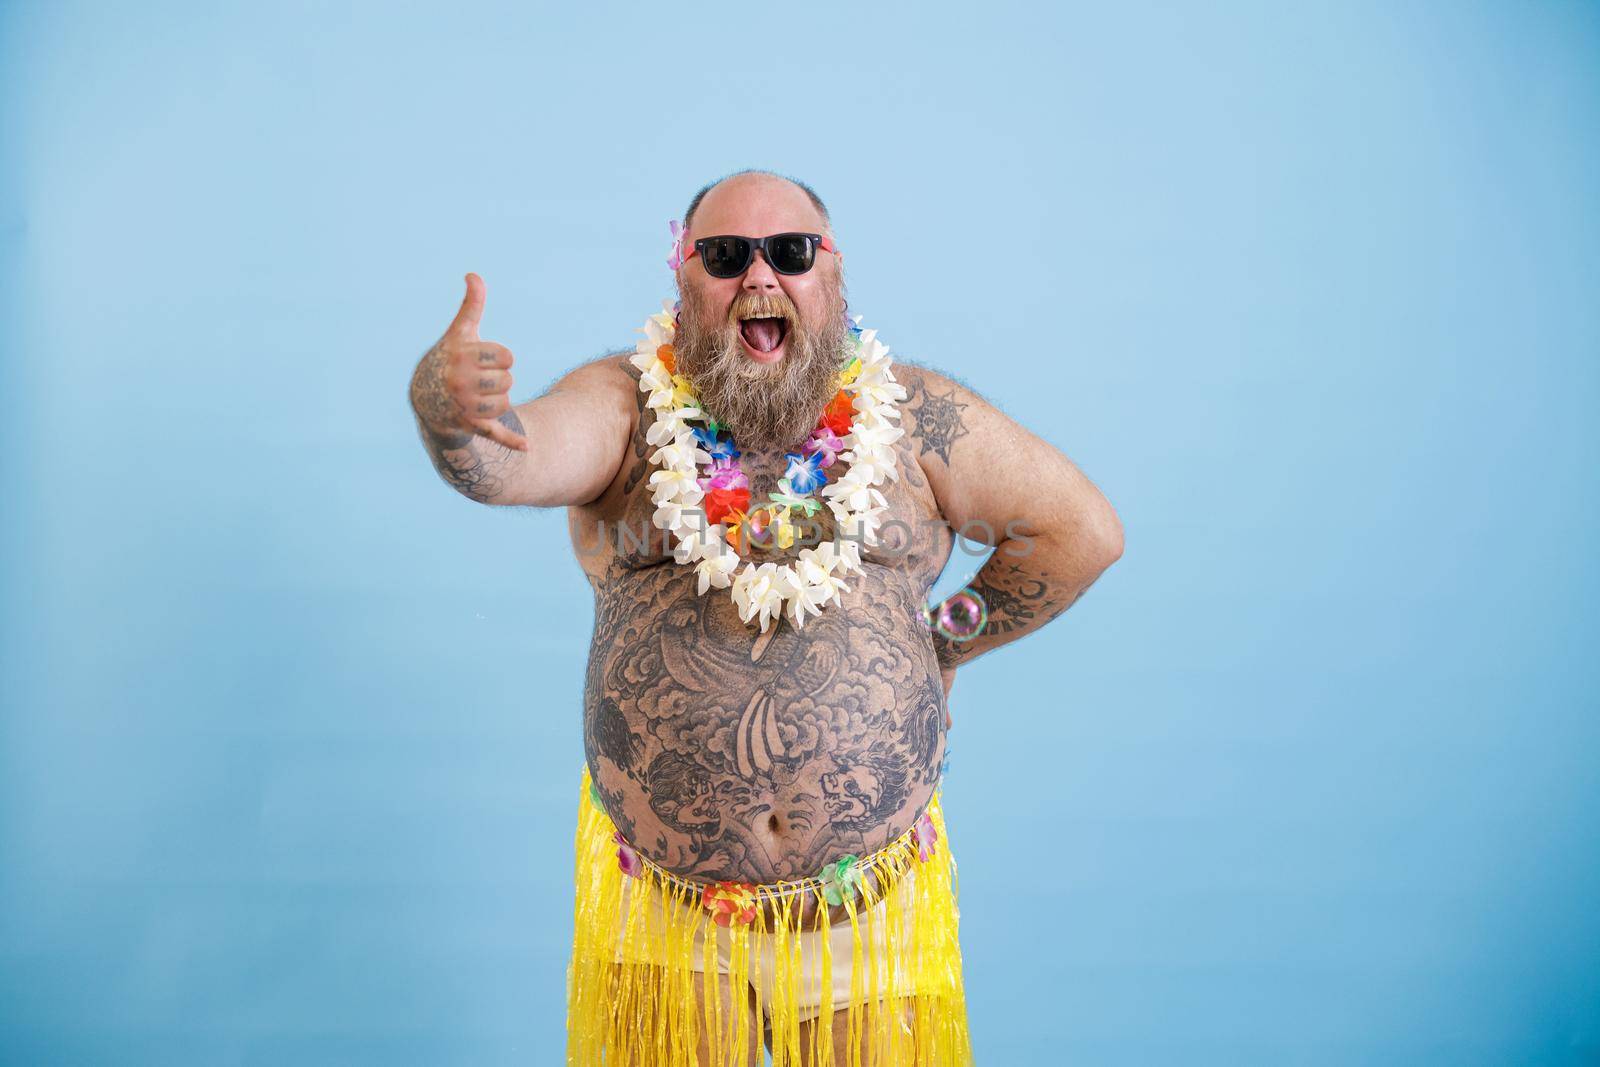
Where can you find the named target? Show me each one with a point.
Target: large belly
(724, 753)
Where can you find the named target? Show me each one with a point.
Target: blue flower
(718, 447)
(804, 473)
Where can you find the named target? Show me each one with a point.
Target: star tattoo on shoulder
(938, 420)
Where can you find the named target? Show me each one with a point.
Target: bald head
(790, 193)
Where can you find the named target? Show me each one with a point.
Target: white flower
(871, 394)
(857, 527)
(673, 514)
(661, 400)
(673, 425)
(826, 556)
(668, 516)
(696, 539)
(850, 552)
(681, 455)
(874, 466)
(759, 590)
(818, 582)
(711, 537)
(714, 570)
(875, 417)
(658, 328)
(863, 528)
(654, 376)
(855, 491)
(877, 438)
(798, 606)
(675, 486)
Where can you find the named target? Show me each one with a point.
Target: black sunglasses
(787, 253)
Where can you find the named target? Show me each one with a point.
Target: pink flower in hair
(675, 260)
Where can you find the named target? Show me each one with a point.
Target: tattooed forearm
(474, 466)
(1013, 599)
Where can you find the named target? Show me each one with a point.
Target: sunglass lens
(790, 253)
(726, 256)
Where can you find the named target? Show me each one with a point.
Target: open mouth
(765, 334)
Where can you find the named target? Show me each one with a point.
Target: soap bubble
(961, 617)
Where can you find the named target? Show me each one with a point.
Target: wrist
(442, 438)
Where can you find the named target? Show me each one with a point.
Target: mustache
(749, 305)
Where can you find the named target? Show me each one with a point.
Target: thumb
(471, 313)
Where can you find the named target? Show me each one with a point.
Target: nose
(759, 277)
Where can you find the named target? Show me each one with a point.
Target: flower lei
(855, 428)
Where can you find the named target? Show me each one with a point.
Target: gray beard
(766, 406)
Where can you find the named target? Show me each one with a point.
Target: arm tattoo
(473, 465)
(937, 419)
(1016, 601)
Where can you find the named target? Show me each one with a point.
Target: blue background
(291, 731)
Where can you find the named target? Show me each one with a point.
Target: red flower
(719, 502)
(730, 902)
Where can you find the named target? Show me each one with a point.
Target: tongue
(763, 334)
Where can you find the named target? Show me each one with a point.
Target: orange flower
(840, 410)
(730, 902)
(664, 354)
(736, 533)
(763, 527)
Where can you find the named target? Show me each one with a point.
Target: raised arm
(998, 483)
(559, 449)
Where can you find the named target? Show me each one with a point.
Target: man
(760, 838)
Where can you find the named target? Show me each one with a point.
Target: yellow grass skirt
(630, 985)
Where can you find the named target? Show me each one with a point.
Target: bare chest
(616, 537)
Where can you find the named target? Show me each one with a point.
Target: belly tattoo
(722, 752)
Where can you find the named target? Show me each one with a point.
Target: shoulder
(610, 381)
(938, 412)
(928, 385)
(610, 371)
